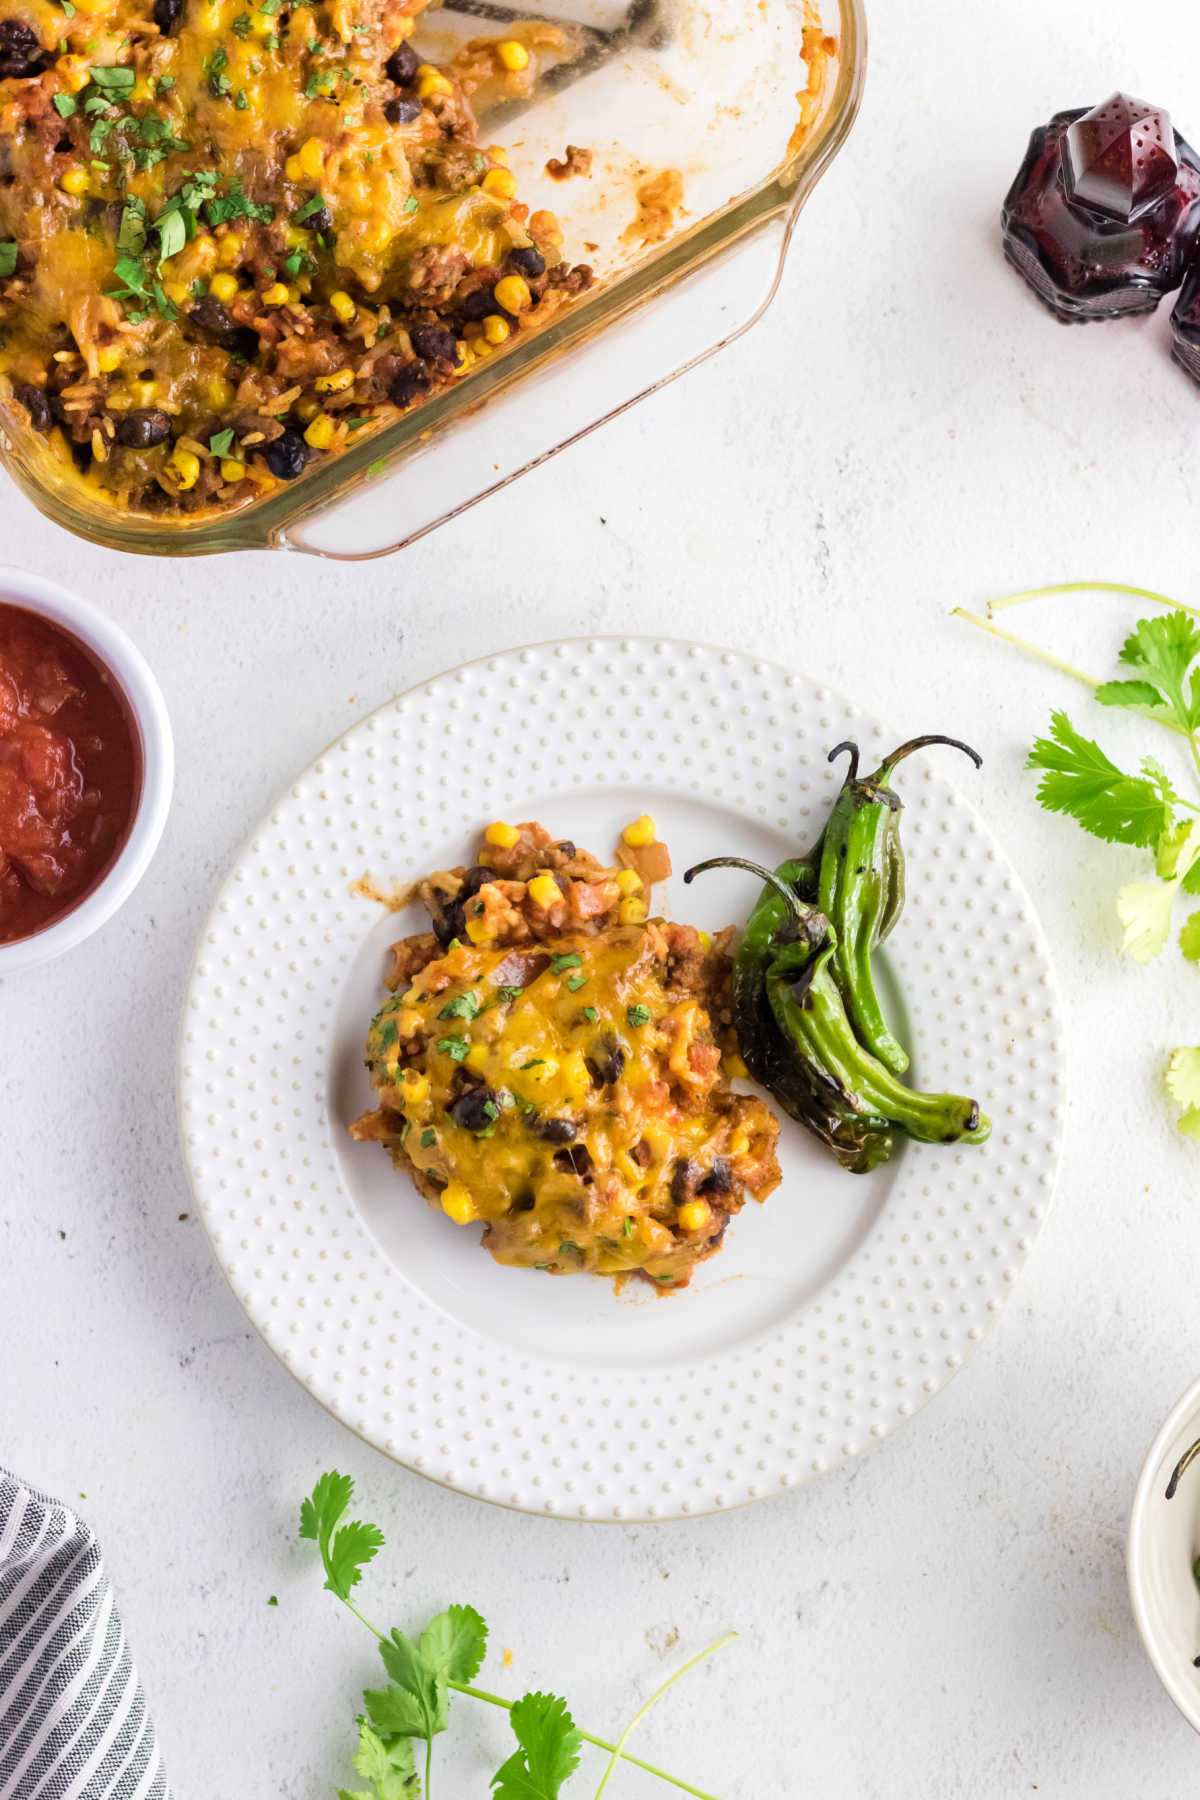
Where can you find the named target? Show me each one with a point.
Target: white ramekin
(130, 670)
(1164, 1541)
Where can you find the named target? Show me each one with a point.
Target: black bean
(142, 430)
(606, 1062)
(320, 221)
(575, 1161)
(555, 1131)
(471, 1109)
(208, 315)
(21, 52)
(402, 65)
(478, 304)
(450, 922)
(408, 384)
(34, 400)
(402, 112)
(719, 1179)
(528, 262)
(566, 849)
(434, 344)
(286, 456)
(683, 1180)
(167, 14)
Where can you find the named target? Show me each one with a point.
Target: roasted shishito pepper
(860, 887)
(805, 1004)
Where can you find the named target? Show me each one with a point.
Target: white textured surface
(832, 1314)
(948, 1616)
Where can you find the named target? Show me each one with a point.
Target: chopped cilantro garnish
(571, 960)
(241, 25)
(533, 1062)
(410, 205)
(589, 1013)
(575, 982)
(627, 1227)
(463, 1006)
(240, 100)
(454, 1047)
(510, 992)
(310, 207)
(638, 1015)
(220, 443)
(65, 105)
(113, 80)
(8, 258)
(428, 1138)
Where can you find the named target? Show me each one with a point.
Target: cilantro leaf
(1080, 780)
(419, 1696)
(112, 80)
(463, 1006)
(1189, 937)
(571, 960)
(65, 105)
(454, 1047)
(1162, 650)
(221, 443)
(1128, 693)
(345, 1552)
(1183, 1085)
(637, 1015)
(8, 259)
(454, 1643)
(549, 1752)
(385, 1762)
(1144, 909)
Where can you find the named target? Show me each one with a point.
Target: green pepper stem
(921, 743)
(790, 899)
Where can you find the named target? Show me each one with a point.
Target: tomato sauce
(70, 772)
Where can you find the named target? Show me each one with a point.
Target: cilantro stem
(619, 1749)
(1066, 668)
(1091, 587)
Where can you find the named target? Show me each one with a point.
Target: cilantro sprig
(414, 1707)
(1160, 682)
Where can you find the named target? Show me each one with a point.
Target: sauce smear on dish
(70, 772)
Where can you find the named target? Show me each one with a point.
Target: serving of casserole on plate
(834, 1310)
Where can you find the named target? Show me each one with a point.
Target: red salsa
(70, 772)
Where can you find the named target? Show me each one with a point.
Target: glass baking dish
(707, 128)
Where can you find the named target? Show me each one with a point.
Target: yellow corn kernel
(221, 393)
(75, 181)
(143, 392)
(293, 168)
(513, 55)
(177, 292)
(223, 287)
(229, 250)
(705, 939)
(276, 295)
(504, 836)
(476, 1058)
(544, 891)
(311, 157)
(479, 931)
(735, 1067)
(408, 1020)
(501, 182)
(457, 1203)
(629, 881)
(631, 912)
(464, 355)
(512, 293)
(481, 349)
(495, 329)
(343, 306)
(320, 433)
(307, 409)
(414, 1089)
(694, 1215)
(185, 467)
(74, 73)
(497, 153)
(739, 1143)
(337, 383)
(108, 359)
(575, 1076)
(431, 81)
(231, 470)
(640, 833)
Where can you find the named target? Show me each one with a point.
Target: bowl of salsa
(86, 768)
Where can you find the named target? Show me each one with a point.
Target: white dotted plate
(834, 1311)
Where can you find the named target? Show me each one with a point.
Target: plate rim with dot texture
(843, 1367)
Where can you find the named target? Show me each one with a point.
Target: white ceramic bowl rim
(1182, 1428)
(133, 675)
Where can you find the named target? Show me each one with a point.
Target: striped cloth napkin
(73, 1718)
